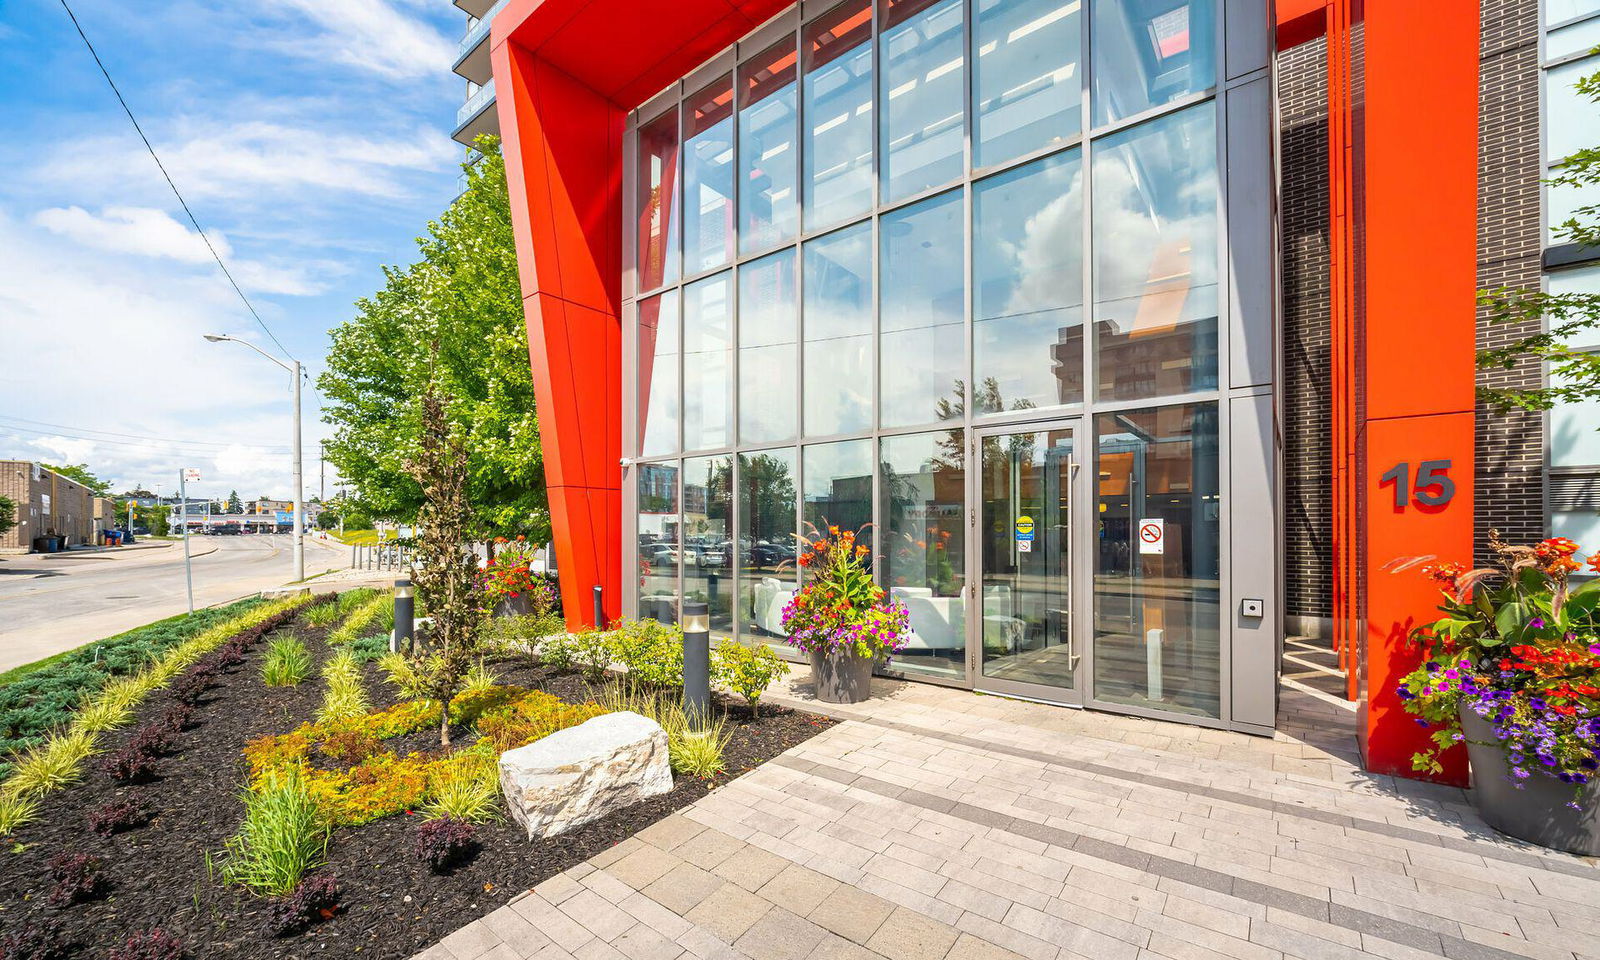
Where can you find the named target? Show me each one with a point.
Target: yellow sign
(1025, 526)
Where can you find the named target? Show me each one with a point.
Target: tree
(235, 505)
(157, 519)
(1563, 319)
(465, 296)
(8, 515)
(79, 472)
(446, 573)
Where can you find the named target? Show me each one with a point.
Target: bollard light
(697, 663)
(404, 636)
(599, 608)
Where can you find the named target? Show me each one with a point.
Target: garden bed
(167, 874)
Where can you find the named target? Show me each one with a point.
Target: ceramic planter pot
(841, 676)
(1537, 813)
(512, 607)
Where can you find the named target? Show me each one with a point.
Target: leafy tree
(80, 472)
(463, 295)
(8, 515)
(1563, 318)
(235, 505)
(157, 519)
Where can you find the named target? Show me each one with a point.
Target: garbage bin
(52, 544)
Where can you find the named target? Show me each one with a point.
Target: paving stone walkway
(935, 824)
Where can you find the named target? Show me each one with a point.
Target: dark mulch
(390, 904)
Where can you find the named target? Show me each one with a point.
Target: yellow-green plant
(373, 615)
(282, 838)
(747, 670)
(346, 694)
(16, 808)
(466, 787)
(53, 764)
(479, 678)
(694, 750)
(287, 662)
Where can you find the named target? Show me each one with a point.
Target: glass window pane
(1580, 280)
(767, 361)
(1582, 527)
(768, 152)
(1574, 39)
(923, 93)
(658, 525)
(1157, 616)
(708, 177)
(1573, 121)
(658, 375)
(838, 328)
(922, 286)
(1574, 432)
(1563, 203)
(1027, 267)
(708, 363)
(838, 488)
(707, 546)
(1560, 11)
(1027, 87)
(838, 109)
(1155, 257)
(924, 492)
(655, 201)
(767, 543)
(1150, 52)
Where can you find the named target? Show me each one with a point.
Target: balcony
(472, 62)
(476, 8)
(477, 116)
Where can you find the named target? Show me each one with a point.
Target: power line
(134, 436)
(162, 167)
(249, 449)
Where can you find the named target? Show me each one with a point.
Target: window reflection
(658, 526)
(922, 317)
(838, 488)
(1027, 266)
(1157, 614)
(923, 479)
(766, 541)
(838, 330)
(707, 547)
(768, 152)
(767, 365)
(922, 95)
(1027, 87)
(658, 374)
(838, 111)
(656, 185)
(1150, 52)
(707, 363)
(708, 177)
(1155, 257)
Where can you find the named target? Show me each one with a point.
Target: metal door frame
(1080, 518)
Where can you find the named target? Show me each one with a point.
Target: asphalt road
(54, 602)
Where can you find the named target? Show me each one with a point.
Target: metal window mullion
(1082, 618)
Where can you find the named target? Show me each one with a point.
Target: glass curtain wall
(906, 220)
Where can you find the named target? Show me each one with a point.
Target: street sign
(191, 476)
(1153, 536)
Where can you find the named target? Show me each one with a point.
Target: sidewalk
(935, 823)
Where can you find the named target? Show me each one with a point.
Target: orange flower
(1594, 563)
(1445, 573)
(833, 531)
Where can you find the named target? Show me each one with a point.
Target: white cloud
(371, 35)
(141, 230)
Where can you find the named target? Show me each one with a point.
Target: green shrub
(558, 650)
(16, 808)
(368, 649)
(346, 695)
(287, 662)
(522, 634)
(747, 671)
(593, 651)
(466, 787)
(282, 838)
(652, 652)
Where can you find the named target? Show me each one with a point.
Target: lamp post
(299, 505)
(697, 663)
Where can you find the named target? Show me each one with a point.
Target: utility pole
(183, 500)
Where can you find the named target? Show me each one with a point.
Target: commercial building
(47, 505)
(1134, 333)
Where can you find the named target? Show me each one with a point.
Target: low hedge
(41, 697)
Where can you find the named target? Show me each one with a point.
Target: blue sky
(311, 139)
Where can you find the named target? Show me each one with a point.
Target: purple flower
(1537, 623)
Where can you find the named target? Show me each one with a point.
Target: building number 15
(1433, 488)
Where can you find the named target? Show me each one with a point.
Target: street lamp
(299, 506)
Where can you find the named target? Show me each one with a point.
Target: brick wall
(70, 512)
(1303, 112)
(1510, 446)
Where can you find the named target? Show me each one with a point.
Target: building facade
(1106, 323)
(47, 505)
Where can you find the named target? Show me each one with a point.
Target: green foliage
(558, 650)
(466, 787)
(370, 648)
(156, 519)
(592, 651)
(346, 695)
(8, 515)
(16, 809)
(368, 613)
(282, 838)
(54, 765)
(464, 295)
(522, 634)
(287, 662)
(652, 652)
(693, 751)
(747, 671)
(80, 473)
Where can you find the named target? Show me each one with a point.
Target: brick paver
(939, 825)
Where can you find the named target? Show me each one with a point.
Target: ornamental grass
(287, 662)
(374, 614)
(282, 838)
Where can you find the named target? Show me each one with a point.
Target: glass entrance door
(1024, 641)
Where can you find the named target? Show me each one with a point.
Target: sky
(311, 140)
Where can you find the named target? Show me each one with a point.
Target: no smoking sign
(1153, 536)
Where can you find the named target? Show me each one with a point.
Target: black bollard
(404, 637)
(697, 663)
(599, 608)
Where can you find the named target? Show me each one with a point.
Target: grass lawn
(355, 537)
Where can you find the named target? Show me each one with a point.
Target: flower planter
(512, 607)
(841, 676)
(1538, 812)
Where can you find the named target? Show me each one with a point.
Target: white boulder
(584, 772)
